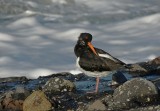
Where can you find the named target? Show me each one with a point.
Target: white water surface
(37, 37)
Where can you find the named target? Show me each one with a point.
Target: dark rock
(117, 79)
(133, 93)
(1, 107)
(13, 79)
(81, 106)
(63, 101)
(58, 85)
(145, 68)
(64, 75)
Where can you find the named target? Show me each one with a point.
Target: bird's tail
(126, 67)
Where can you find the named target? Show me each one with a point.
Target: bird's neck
(81, 51)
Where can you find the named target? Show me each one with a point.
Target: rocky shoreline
(66, 92)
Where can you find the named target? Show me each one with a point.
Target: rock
(1, 107)
(57, 85)
(138, 69)
(63, 101)
(155, 61)
(156, 64)
(14, 79)
(13, 100)
(147, 108)
(20, 89)
(9, 103)
(96, 106)
(37, 101)
(133, 93)
(117, 79)
(91, 102)
(81, 106)
(145, 68)
(20, 93)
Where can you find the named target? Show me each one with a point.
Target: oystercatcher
(92, 61)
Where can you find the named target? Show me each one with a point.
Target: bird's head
(84, 40)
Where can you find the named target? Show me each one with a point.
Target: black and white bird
(92, 61)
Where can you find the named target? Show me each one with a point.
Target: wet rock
(9, 103)
(64, 75)
(147, 108)
(155, 61)
(146, 68)
(57, 85)
(138, 69)
(63, 101)
(91, 102)
(133, 93)
(81, 106)
(1, 107)
(117, 79)
(20, 93)
(13, 79)
(13, 100)
(37, 101)
(96, 106)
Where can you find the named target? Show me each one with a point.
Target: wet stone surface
(133, 93)
(58, 85)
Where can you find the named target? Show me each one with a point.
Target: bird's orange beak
(92, 48)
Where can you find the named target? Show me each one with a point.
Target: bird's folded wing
(95, 64)
(106, 55)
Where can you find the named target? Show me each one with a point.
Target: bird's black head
(84, 38)
(84, 43)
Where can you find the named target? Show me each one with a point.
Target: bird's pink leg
(97, 84)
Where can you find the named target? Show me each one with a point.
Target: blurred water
(77, 11)
(37, 37)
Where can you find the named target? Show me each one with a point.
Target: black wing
(100, 51)
(93, 64)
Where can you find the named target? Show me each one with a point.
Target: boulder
(57, 85)
(37, 101)
(133, 93)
